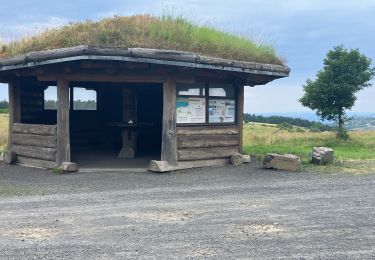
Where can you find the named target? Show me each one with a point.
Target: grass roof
(146, 31)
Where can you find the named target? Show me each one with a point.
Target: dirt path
(231, 212)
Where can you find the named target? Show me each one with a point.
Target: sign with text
(191, 110)
(222, 111)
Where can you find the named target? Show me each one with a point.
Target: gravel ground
(220, 213)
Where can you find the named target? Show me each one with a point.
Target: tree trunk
(342, 133)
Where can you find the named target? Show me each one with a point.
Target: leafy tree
(345, 72)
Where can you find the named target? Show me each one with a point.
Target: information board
(191, 110)
(222, 111)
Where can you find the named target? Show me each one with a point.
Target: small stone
(9, 157)
(236, 159)
(246, 158)
(69, 167)
(322, 155)
(287, 162)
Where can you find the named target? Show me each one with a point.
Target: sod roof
(146, 31)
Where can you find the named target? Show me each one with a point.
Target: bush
(285, 126)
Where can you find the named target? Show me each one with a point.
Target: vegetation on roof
(146, 31)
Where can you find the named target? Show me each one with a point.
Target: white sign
(191, 110)
(222, 111)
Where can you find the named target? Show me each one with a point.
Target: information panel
(222, 111)
(191, 110)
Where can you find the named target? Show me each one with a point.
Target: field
(354, 155)
(3, 131)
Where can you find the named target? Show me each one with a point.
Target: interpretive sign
(191, 110)
(222, 111)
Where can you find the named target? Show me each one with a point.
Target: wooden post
(129, 113)
(240, 116)
(169, 136)
(14, 109)
(63, 138)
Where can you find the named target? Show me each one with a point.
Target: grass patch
(146, 31)
(358, 151)
(4, 122)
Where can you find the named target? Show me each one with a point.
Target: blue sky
(301, 30)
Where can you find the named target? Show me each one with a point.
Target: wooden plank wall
(35, 145)
(207, 142)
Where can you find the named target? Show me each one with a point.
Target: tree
(345, 72)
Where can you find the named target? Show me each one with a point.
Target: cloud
(35, 25)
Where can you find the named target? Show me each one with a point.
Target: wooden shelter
(186, 107)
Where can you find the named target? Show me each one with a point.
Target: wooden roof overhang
(88, 63)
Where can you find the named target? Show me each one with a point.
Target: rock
(9, 157)
(322, 155)
(287, 162)
(236, 159)
(246, 158)
(69, 167)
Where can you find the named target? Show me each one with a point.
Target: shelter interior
(102, 115)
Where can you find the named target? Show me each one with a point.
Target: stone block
(69, 167)
(246, 158)
(322, 155)
(236, 159)
(9, 157)
(287, 162)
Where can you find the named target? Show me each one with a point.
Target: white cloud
(30, 26)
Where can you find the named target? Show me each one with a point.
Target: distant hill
(359, 120)
(312, 117)
(285, 121)
(361, 123)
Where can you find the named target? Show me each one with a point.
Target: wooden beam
(122, 77)
(63, 138)
(163, 166)
(169, 136)
(240, 117)
(14, 109)
(206, 153)
(44, 130)
(208, 130)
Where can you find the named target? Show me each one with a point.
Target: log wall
(35, 145)
(207, 142)
(32, 102)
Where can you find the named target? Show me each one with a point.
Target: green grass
(4, 121)
(260, 139)
(146, 31)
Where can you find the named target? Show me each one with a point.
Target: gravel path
(220, 213)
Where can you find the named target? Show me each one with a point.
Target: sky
(302, 31)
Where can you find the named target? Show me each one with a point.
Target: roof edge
(149, 54)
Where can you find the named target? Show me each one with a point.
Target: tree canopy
(345, 72)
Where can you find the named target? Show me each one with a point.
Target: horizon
(302, 32)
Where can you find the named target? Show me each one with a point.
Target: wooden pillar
(240, 116)
(14, 108)
(63, 136)
(169, 136)
(129, 114)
